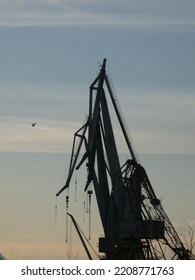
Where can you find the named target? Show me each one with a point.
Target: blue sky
(50, 53)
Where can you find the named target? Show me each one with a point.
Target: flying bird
(33, 124)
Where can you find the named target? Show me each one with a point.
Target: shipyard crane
(134, 222)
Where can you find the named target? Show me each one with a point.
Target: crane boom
(80, 233)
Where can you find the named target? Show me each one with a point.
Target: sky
(50, 52)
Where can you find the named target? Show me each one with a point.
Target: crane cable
(89, 192)
(67, 204)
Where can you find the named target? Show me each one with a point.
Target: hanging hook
(67, 203)
(89, 192)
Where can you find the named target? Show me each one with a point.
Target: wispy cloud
(50, 107)
(18, 135)
(158, 121)
(173, 13)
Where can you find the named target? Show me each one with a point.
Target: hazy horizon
(32, 230)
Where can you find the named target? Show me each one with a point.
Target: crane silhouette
(134, 222)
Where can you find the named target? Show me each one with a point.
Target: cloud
(159, 121)
(18, 135)
(164, 14)
(50, 107)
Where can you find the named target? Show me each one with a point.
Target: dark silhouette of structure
(134, 222)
